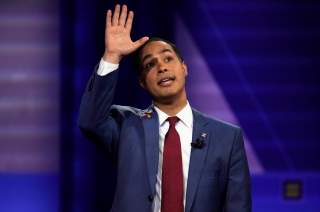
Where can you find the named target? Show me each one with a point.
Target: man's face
(163, 74)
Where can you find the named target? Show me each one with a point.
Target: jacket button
(150, 198)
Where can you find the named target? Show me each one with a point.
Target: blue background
(263, 57)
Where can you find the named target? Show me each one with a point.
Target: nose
(162, 68)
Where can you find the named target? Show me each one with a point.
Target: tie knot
(173, 120)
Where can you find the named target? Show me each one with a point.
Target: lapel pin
(148, 114)
(203, 135)
(199, 143)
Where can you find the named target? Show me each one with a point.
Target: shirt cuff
(106, 67)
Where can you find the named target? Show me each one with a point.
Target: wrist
(111, 57)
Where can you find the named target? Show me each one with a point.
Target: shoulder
(221, 130)
(224, 134)
(128, 111)
(125, 110)
(215, 122)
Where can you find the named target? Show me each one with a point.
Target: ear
(185, 68)
(142, 83)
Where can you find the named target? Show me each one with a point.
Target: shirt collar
(185, 115)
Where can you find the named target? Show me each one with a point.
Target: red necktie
(172, 175)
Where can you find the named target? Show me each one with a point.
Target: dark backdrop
(263, 56)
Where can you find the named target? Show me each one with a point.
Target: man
(170, 157)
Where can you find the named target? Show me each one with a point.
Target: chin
(167, 95)
(166, 98)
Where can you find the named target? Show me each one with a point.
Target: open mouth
(166, 81)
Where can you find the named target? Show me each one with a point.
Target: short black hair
(137, 55)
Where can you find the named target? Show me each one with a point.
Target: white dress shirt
(106, 67)
(184, 128)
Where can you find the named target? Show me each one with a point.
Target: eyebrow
(150, 55)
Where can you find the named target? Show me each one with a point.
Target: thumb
(140, 42)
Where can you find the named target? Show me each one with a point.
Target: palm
(118, 40)
(117, 33)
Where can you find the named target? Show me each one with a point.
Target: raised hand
(118, 42)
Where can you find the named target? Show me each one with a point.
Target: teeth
(165, 80)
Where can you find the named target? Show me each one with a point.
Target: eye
(168, 59)
(149, 65)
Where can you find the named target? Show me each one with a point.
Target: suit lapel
(197, 157)
(151, 132)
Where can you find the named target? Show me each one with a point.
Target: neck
(171, 108)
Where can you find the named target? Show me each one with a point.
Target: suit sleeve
(238, 194)
(97, 119)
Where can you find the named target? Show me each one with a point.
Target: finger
(140, 42)
(108, 21)
(129, 21)
(115, 18)
(123, 15)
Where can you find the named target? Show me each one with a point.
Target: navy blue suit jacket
(218, 178)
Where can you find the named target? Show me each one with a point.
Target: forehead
(155, 47)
